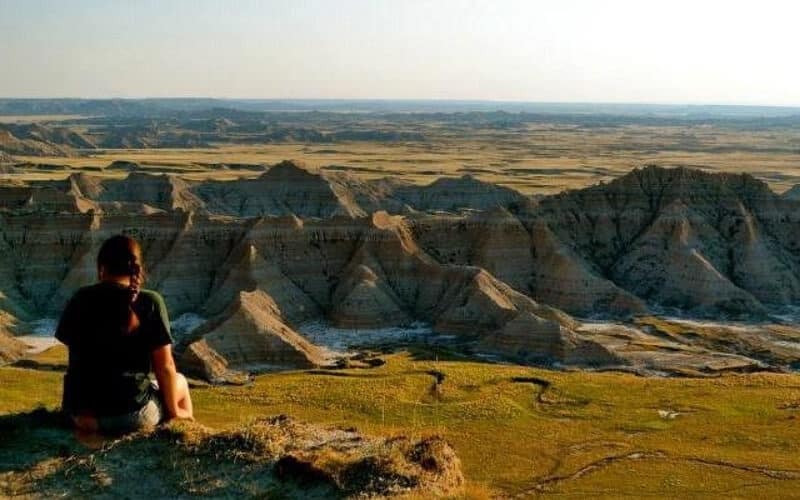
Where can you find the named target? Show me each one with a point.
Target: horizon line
(410, 99)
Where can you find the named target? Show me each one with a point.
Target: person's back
(108, 366)
(116, 334)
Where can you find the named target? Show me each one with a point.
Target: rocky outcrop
(453, 194)
(249, 270)
(698, 243)
(51, 197)
(563, 279)
(714, 240)
(530, 259)
(18, 140)
(297, 459)
(11, 349)
(495, 240)
(201, 361)
(51, 134)
(251, 335)
(80, 192)
(365, 300)
(674, 263)
(531, 339)
(287, 188)
(83, 184)
(167, 192)
(792, 193)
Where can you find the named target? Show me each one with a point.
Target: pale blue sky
(700, 51)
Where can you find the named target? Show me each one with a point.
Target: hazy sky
(557, 50)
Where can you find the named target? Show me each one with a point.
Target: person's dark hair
(121, 255)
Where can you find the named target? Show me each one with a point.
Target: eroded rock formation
(260, 256)
(251, 334)
(11, 349)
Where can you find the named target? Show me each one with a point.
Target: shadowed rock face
(167, 192)
(450, 194)
(500, 273)
(38, 140)
(702, 243)
(793, 193)
(6, 158)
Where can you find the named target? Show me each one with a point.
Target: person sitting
(117, 333)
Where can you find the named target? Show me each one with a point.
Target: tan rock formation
(6, 158)
(762, 269)
(670, 259)
(287, 188)
(27, 145)
(563, 279)
(738, 227)
(250, 334)
(199, 360)
(55, 198)
(700, 243)
(248, 270)
(495, 240)
(89, 186)
(454, 194)
(167, 192)
(364, 300)
(529, 338)
(11, 349)
(368, 196)
(189, 249)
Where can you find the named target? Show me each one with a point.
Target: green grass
(734, 435)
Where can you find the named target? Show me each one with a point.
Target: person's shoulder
(152, 297)
(85, 291)
(157, 311)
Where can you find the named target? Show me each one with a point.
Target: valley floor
(523, 431)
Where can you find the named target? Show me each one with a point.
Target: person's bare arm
(167, 376)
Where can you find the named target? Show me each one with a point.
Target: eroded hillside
(504, 274)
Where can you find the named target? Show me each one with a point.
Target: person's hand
(85, 423)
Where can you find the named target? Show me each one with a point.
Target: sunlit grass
(511, 440)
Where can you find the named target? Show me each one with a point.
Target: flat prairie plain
(535, 159)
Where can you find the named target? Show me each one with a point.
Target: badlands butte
(623, 275)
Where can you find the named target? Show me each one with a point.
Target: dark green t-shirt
(109, 367)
